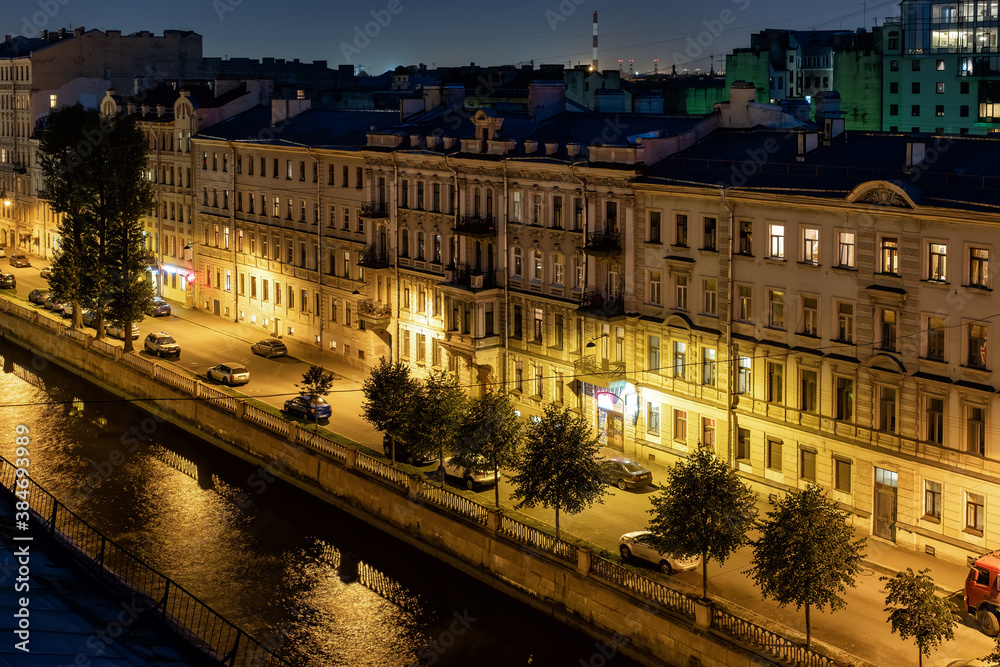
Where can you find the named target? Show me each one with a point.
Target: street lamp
(592, 344)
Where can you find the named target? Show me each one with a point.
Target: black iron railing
(375, 210)
(164, 599)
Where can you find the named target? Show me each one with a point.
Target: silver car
(638, 544)
(231, 372)
(119, 332)
(470, 481)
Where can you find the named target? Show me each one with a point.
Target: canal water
(324, 587)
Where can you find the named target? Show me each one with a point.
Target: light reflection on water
(290, 570)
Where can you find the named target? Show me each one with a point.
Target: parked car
(160, 307)
(625, 473)
(119, 332)
(20, 261)
(452, 469)
(231, 372)
(90, 318)
(53, 304)
(3, 251)
(269, 348)
(7, 281)
(638, 544)
(303, 407)
(162, 345)
(404, 453)
(67, 309)
(46, 272)
(38, 296)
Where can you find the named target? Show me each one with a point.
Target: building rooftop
(318, 128)
(957, 172)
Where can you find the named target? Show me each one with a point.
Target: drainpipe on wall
(730, 366)
(502, 225)
(159, 223)
(232, 225)
(394, 238)
(318, 213)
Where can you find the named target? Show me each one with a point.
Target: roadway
(861, 628)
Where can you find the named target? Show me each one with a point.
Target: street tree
(388, 392)
(491, 436)
(916, 611)
(124, 196)
(316, 382)
(993, 659)
(806, 554)
(70, 183)
(559, 466)
(704, 509)
(435, 417)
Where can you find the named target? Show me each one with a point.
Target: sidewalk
(880, 556)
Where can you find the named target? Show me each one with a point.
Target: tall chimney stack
(594, 64)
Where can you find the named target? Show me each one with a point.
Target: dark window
(935, 420)
(894, 87)
(915, 65)
(963, 111)
(710, 234)
(915, 87)
(915, 111)
(807, 465)
(845, 399)
(963, 88)
(743, 444)
(939, 110)
(893, 109)
(746, 238)
(809, 391)
(893, 65)
(654, 226)
(682, 230)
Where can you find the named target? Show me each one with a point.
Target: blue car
(303, 407)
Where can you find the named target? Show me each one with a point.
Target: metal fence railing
(540, 540)
(770, 642)
(177, 608)
(664, 596)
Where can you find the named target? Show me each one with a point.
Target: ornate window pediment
(883, 193)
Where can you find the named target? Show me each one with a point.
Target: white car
(119, 332)
(231, 372)
(451, 469)
(637, 544)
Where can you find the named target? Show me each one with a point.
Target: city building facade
(941, 68)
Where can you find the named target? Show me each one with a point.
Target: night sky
(450, 33)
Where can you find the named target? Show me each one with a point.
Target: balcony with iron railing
(375, 258)
(375, 315)
(475, 225)
(603, 244)
(593, 302)
(598, 371)
(466, 277)
(375, 210)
